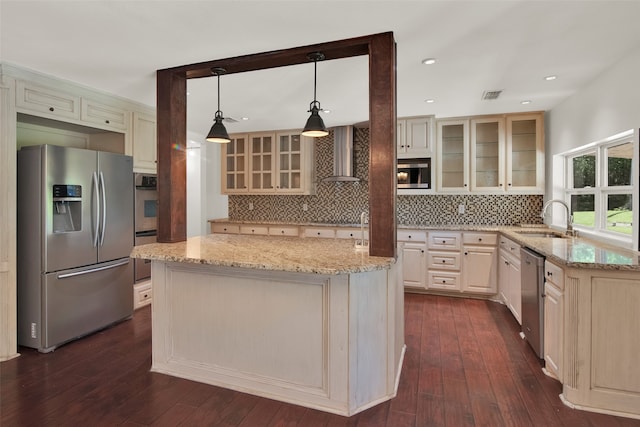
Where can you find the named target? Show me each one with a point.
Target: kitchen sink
(542, 234)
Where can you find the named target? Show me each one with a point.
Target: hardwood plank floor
(465, 365)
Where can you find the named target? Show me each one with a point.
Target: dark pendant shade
(218, 132)
(315, 125)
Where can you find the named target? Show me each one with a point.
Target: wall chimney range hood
(342, 155)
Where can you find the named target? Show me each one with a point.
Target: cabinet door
(453, 156)
(553, 330)
(487, 154)
(525, 153)
(234, 165)
(479, 267)
(105, 116)
(47, 102)
(401, 138)
(144, 142)
(290, 164)
(413, 265)
(262, 163)
(417, 137)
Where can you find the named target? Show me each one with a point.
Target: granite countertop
(294, 254)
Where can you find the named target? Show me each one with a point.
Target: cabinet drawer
(48, 101)
(480, 239)
(443, 280)
(106, 116)
(225, 228)
(509, 246)
(320, 232)
(262, 230)
(445, 240)
(443, 260)
(554, 274)
(141, 295)
(284, 231)
(351, 233)
(412, 236)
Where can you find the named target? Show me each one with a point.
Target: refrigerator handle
(97, 222)
(93, 270)
(104, 208)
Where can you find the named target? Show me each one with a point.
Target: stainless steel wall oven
(145, 219)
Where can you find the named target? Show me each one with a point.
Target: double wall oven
(146, 219)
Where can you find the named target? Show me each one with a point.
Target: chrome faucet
(570, 231)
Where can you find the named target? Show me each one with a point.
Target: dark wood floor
(465, 365)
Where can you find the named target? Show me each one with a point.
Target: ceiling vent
(488, 95)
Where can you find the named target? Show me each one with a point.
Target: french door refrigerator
(75, 235)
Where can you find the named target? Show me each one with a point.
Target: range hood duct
(342, 155)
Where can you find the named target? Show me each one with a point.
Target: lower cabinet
(443, 261)
(414, 247)
(553, 319)
(509, 277)
(141, 294)
(479, 263)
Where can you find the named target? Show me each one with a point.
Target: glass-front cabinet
(268, 163)
(525, 153)
(234, 165)
(487, 153)
(262, 162)
(452, 155)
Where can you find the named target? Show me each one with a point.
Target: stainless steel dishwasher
(532, 274)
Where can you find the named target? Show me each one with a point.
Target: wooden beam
(172, 160)
(382, 146)
(171, 116)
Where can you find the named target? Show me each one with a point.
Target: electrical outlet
(250, 206)
(461, 208)
(305, 207)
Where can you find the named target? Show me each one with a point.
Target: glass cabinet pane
(295, 161)
(523, 153)
(295, 143)
(284, 180)
(284, 162)
(487, 154)
(453, 155)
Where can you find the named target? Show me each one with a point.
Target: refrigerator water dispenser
(67, 208)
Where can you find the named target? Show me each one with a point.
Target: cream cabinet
(105, 116)
(414, 137)
(444, 261)
(224, 227)
(509, 280)
(46, 102)
(479, 263)
(496, 155)
(144, 143)
(487, 154)
(553, 319)
(525, 153)
(452, 159)
(268, 163)
(413, 244)
(323, 232)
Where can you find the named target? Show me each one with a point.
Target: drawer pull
(479, 239)
(443, 261)
(444, 241)
(51, 109)
(444, 281)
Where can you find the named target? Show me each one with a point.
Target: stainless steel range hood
(342, 155)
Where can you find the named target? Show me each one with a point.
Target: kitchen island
(308, 321)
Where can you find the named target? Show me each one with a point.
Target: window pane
(582, 209)
(584, 171)
(619, 216)
(619, 158)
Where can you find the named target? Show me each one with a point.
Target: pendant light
(315, 126)
(218, 132)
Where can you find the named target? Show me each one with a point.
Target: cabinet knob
(479, 239)
(318, 233)
(409, 236)
(509, 184)
(282, 231)
(465, 185)
(106, 121)
(443, 261)
(444, 281)
(422, 250)
(444, 241)
(51, 109)
(549, 273)
(466, 253)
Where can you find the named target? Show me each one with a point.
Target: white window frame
(602, 190)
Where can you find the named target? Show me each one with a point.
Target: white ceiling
(116, 46)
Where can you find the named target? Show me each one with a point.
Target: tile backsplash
(343, 202)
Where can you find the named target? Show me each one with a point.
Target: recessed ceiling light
(429, 61)
(429, 101)
(549, 78)
(245, 118)
(525, 102)
(326, 111)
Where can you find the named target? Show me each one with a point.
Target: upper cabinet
(497, 155)
(268, 163)
(105, 115)
(452, 156)
(46, 102)
(144, 143)
(414, 137)
(525, 153)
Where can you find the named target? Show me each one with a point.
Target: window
(600, 185)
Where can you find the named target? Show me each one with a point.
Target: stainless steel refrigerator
(75, 235)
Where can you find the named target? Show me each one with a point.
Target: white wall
(204, 200)
(608, 105)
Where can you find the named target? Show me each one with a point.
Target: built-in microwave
(414, 173)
